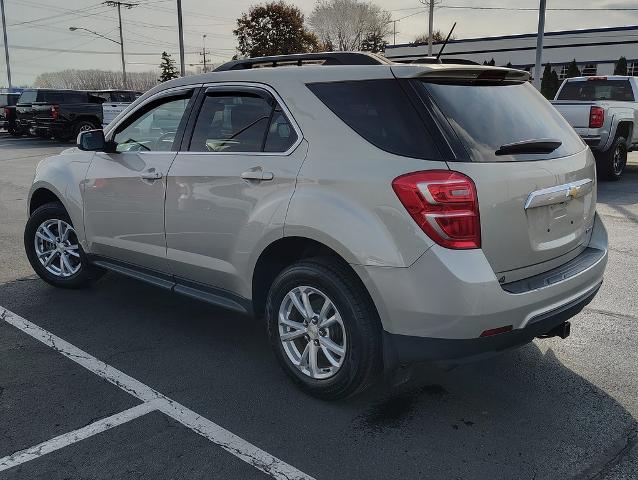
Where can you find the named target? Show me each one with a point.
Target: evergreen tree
(168, 70)
(509, 65)
(572, 70)
(621, 66)
(546, 82)
(555, 83)
(491, 63)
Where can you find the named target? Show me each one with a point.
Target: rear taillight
(7, 113)
(596, 117)
(444, 204)
(55, 111)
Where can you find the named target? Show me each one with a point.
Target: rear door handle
(257, 175)
(151, 175)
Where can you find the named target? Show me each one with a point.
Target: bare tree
(95, 80)
(346, 24)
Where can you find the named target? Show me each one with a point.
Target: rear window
(590, 90)
(381, 113)
(486, 117)
(28, 96)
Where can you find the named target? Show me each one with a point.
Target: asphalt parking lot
(189, 391)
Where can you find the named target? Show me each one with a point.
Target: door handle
(257, 175)
(151, 175)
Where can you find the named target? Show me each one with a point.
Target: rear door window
(597, 89)
(28, 96)
(381, 112)
(487, 117)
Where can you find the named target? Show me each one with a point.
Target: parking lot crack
(607, 313)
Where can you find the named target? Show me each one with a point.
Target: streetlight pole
(6, 44)
(180, 29)
(539, 45)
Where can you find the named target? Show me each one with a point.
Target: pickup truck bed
(603, 111)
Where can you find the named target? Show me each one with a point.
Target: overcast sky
(40, 40)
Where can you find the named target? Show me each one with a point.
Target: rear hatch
(576, 113)
(535, 178)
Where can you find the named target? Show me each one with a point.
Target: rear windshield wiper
(540, 145)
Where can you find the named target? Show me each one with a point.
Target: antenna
(445, 43)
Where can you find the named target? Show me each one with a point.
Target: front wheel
(53, 250)
(323, 328)
(82, 126)
(611, 163)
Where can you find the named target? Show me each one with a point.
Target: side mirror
(94, 141)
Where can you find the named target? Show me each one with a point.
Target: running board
(214, 296)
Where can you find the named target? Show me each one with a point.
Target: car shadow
(524, 414)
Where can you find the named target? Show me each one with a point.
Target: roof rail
(299, 59)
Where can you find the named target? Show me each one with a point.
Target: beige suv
(374, 213)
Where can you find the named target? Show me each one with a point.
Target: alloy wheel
(312, 333)
(57, 249)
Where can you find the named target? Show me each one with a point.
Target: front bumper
(454, 296)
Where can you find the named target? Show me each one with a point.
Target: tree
(168, 70)
(273, 29)
(95, 80)
(549, 85)
(509, 65)
(350, 24)
(621, 66)
(437, 36)
(491, 63)
(572, 70)
(374, 43)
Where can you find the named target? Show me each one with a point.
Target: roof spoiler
(463, 74)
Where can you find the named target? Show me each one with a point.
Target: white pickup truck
(604, 111)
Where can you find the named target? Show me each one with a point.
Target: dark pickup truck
(25, 114)
(8, 111)
(77, 112)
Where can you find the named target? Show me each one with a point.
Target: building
(596, 50)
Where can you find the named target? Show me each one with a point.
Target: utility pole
(6, 44)
(539, 45)
(180, 29)
(394, 22)
(204, 51)
(430, 27)
(119, 6)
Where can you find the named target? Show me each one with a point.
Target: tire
(15, 132)
(611, 163)
(82, 126)
(50, 215)
(358, 332)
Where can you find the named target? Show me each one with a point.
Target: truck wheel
(324, 329)
(15, 132)
(611, 163)
(82, 126)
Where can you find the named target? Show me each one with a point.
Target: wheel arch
(283, 252)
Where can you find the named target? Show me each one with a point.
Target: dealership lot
(220, 407)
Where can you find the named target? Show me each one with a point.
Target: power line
(535, 9)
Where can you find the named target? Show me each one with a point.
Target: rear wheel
(324, 329)
(611, 163)
(53, 250)
(82, 126)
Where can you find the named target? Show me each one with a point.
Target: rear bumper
(407, 349)
(454, 296)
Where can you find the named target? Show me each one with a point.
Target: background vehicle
(7, 110)
(66, 113)
(604, 111)
(368, 227)
(115, 101)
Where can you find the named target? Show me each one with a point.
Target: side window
(231, 122)
(381, 113)
(154, 127)
(281, 135)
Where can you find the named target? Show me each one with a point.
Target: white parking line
(227, 440)
(67, 439)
